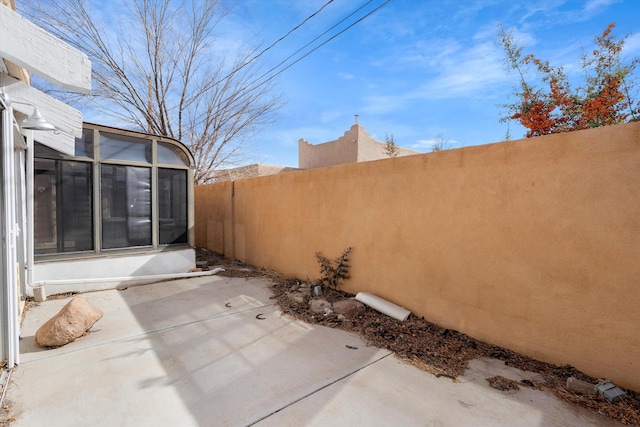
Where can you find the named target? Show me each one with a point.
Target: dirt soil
(442, 352)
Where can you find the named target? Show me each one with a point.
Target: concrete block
(581, 387)
(614, 394)
(39, 294)
(610, 391)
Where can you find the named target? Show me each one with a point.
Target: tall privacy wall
(533, 245)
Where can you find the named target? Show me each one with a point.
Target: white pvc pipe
(154, 277)
(30, 203)
(9, 319)
(383, 306)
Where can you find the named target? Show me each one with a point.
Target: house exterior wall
(342, 150)
(370, 149)
(248, 171)
(532, 244)
(103, 249)
(356, 145)
(25, 48)
(68, 275)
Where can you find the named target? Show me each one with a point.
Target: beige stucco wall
(370, 149)
(342, 150)
(356, 145)
(248, 171)
(533, 244)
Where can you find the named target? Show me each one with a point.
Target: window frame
(62, 189)
(96, 172)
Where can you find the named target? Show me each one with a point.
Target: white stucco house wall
(83, 206)
(26, 48)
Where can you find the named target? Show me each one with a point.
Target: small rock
(306, 291)
(201, 264)
(298, 297)
(71, 322)
(318, 305)
(195, 270)
(349, 307)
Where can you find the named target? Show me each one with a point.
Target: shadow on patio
(217, 351)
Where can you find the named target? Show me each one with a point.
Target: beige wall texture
(533, 245)
(248, 171)
(356, 145)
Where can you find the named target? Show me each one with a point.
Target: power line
(257, 83)
(325, 32)
(274, 43)
(320, 45)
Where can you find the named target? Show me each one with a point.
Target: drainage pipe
(383, 306)
(153, 277)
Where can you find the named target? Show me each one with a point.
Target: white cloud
(346, 76)
(384, 104)
(431, 144)
(596, 6)
(429, 53)
(632, 45)
(458, 73)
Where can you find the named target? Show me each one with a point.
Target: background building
(356, 145)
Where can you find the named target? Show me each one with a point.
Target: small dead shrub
(334, 271)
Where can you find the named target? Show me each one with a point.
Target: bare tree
(391, 149)
(161, 72)
(440, 143)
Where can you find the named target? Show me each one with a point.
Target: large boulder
(349, 307)
(71, 322)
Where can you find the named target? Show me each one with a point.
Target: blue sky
(417, 69)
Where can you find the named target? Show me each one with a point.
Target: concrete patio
(216, 351)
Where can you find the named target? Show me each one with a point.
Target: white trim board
(29, 46)
(66, 119)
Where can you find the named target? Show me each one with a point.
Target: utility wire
(256, 83)
(319, 46)
(274, 43)
(306, 45)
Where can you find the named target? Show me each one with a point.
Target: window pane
(126, 206)
(44, 208)
(44, 151)
(77, 199)
(121, 147)
(63, 197)
(172, 206)
(84, 145)
(172, 155)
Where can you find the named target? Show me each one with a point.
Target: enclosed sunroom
(121, 208)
